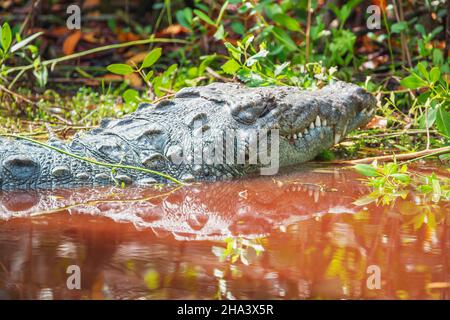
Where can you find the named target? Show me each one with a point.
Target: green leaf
(238, 27)
(130, 95)
(231, 66)
(435, 74)
(424, 188)
(235, 52)
(399, 27)
(184, 17)
(402, 177)
(256, 57)
(6, 37)
(287, 21)
(422, 67)
(203, 16)
(120, 68)
(284, 38)
(432, 112)
(279, 69)
(220, 33)
(151, 58)
(420, 29)
(149, 75)
(413, 82)
(438, 57)
(443, 121)
(366, 170)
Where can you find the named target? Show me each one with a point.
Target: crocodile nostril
(21, 167)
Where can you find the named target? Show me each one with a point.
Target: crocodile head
(308, 122)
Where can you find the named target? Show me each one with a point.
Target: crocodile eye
(250, 108)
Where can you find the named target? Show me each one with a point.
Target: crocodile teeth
(324, 122)
(306, 131)
(295, 136)
(337, 138)
(318, 121)
(311, 126)
(345, 129)
(289, 137)
(300, 135)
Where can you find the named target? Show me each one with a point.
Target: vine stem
(93, 161)
(99, 49)
(408, 157)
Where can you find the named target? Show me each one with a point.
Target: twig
(33, 9)
(398, 11)
(388, 134)
(308, 30)
(403, 156)
(93, 161)
(16, 95)
(217, 76)
(99, 49)
(167, 96)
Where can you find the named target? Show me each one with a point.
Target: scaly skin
(157, 136)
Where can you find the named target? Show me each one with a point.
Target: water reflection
(294, 236)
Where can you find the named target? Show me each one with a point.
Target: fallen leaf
(89, 37)
(377, 123)
(90, 4)
(112, 77)
(71, 42)
(172, 30)
(57, 32)
(137, 58)
(134, 80)
(382, 4)
(127, 36)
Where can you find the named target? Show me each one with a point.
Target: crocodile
(229, 125)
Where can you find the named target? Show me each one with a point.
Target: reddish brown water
(169, 244)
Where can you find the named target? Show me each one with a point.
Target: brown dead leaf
(57, 32)
(127, 36)
(134, 80)
(172, 30)
(137, 58)
(71, 42)
(90, 4)
(89, 37)
(112, 77)
(382, 4)
(377, 122)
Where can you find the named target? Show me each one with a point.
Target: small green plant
(21, 49)
(123, 69)
(237, 249)
(391, 181)
(433, 102)
(254, 67)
